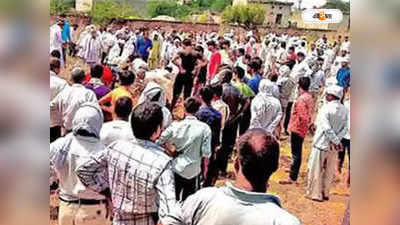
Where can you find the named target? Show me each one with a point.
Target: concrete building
(277, 12)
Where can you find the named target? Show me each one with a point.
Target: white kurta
(56, 41)
(92, 50)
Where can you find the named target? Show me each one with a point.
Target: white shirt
(347, 106)
(68, 101)
(116, 130)
(57, 84)
(331, 125)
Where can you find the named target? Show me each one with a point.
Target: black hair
(207, 94)
(211, 43)
(258, 153)
(226, 76)
(55, 64)
(283, 44)
(301, 54)
(247, 56)
(239, 71)
(199, 49)
(55, 54)
(255, 64)
(218, 90)
(187, 42)
(126, 77)
(146, 119)
(291, 48)
(304, 83)
(241, 51)
(123, 107)
(78, 75)
(96, 71)
(192, 105)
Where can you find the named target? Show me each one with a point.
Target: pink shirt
(215, 62)
(300, 119)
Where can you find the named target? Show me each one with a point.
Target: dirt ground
(292, 196)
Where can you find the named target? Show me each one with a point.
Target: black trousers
(245, 121)
(182, 82)
(287, 115)
(184, 187)
(55, 133)
(228, 141)
(342, 154)
(296, 143)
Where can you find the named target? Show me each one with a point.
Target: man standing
(92, 53)
(212, 118)
(244, 201)
(57, 84)
(331, 127)
(300, 123)
(192, 141)
(136, 176)
(215, 60)
(255, 70)
(186, 60)
(119, 128)
(266, 110)
(68, 101)
(95, 83)
(144, 45)
(343, 75)
(78, 204)
(56, 42)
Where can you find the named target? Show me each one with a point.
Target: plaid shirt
(139, 176)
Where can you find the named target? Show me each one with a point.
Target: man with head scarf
(78, 204)
(266, 110)
(331, 127)
(153, 92)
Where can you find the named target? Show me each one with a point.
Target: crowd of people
(121, 154)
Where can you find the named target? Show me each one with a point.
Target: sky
(310, 3)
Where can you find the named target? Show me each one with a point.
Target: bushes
(172, 8)
(61, 6)
(244, 15)
(104, 11)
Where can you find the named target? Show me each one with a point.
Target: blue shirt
(212, 118)
(343, 77)
(254, 82)
(66, 33)
(142, 46)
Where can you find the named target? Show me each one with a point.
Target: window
(278, 19)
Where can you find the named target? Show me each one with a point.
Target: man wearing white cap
(330, 129)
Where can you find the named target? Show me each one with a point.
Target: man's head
(55, 65)
(345, 63)
(187, 44)
(123, 107)
(77, 75)
(346, 38)
(239, 72)
(192, 105)
(257, 158)
(199, 50)
(126, 78)
(283, 45)
(320, 61)
(207, 94)
(55, 54)
(291, 49)
(334, 92)
(255, 65)
(96, 71)
(313, 46)
(146, 121)
(300, 56)
(212, 46)
(304, 83)
(226, 76)
(241, 52)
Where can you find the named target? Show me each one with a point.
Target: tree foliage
(338, 4)
(244, 15)
(61, 6)
(104, 11)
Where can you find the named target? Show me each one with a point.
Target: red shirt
(302, 111)
(107, 78)
(215, 62)
(293, 56)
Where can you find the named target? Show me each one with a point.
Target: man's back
(231, 206)
(116, 130)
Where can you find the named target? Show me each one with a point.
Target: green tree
(61, 6)
(168, 8)
(244, 15)
(104, 11)
(338, 4)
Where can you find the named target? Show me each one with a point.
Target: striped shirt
(140, 178)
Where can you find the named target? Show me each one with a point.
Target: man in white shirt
(68, 101)
(79, 205)
(119, 128)
(266, 110)
(57, 84)
(331, 127)
(244, 201)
